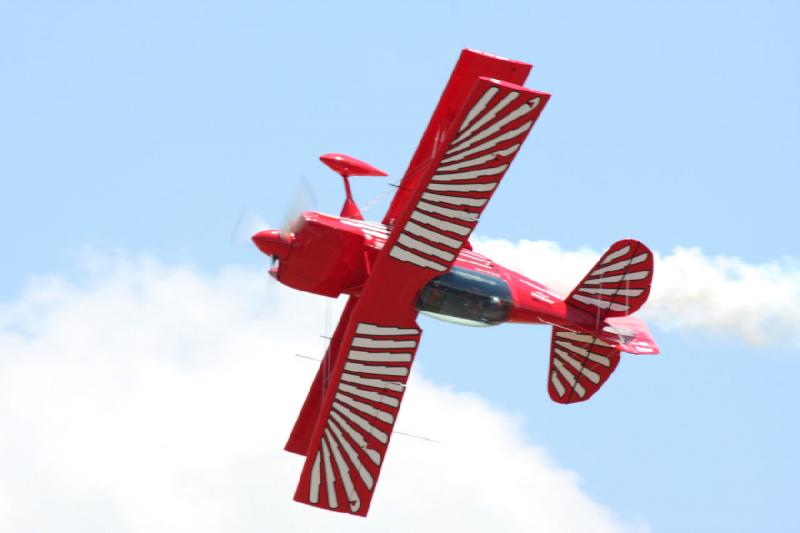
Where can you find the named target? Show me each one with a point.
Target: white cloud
(759, 303)
(152, 398)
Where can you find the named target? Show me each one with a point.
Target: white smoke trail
(759, 303)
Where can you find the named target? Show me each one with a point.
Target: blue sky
(150, 128)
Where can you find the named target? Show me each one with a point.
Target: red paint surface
(477, 128)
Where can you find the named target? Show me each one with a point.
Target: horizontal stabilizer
(579, 365)
(619, 283)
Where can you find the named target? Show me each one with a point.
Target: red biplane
(418, 259)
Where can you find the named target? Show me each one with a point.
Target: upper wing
(300, 436)
(440, 207)
(471, 65)
(454, 186)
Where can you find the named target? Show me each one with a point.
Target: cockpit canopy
(466, 297)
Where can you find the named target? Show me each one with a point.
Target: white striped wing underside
(473, 163)
(618, 284)
(579, 365)
(342, 471)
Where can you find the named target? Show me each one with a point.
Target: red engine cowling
(324, 259)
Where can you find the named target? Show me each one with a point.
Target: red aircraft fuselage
(330, 256)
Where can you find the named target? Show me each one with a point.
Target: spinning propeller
(278, 243)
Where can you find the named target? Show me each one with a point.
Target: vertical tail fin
(630, 335)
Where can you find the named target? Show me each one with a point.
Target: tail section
(619, 283)
(579, 365)
(617, 286)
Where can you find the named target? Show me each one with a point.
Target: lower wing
(432, 220)
(356, 419)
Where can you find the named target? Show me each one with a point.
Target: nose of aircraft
(273, 243)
